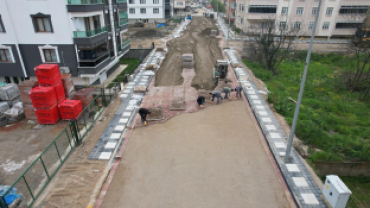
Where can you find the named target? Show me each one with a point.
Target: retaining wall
(342, 169)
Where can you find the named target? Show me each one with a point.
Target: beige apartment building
(337, 18)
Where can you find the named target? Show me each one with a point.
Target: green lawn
(360, 188)
(333, 122)
(132, 63)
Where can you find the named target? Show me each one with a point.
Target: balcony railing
(123, 21)
(86, 34)
(84, 2)
(121, 1)
(124, 43)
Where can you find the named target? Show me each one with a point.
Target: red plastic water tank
(48, 115)
(43, 97)
(59, 91)
(70, 109)
(48, 74)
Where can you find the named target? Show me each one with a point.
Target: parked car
(138, 24)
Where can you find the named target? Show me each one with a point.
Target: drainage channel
(300, 182)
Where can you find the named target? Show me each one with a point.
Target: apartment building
(182, 5)
(81, 36)
(150, 11)
(337, 18)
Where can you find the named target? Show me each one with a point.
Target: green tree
(221, 6)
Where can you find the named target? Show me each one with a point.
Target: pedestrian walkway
(212, 158)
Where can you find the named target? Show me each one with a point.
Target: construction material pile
(47, 98)
(187, 61)
(68, 85)
(213, 33)
(10, 94)
(85, 96)
(25, 88)
(15, 113)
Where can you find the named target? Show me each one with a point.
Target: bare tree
(358, 77)
(270, 44)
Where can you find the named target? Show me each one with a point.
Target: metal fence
(34, 180)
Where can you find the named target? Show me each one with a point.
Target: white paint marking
(105, 155)
(300, 182)
(292, 168)
(310, 199)
(275, 135)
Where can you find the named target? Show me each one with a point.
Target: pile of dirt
(205, 50)
(150, 33)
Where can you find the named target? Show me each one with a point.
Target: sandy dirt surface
(195, 40)
(75, 181)
(21, 143)
(212, 158)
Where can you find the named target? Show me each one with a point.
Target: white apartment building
(150, 11)
(83, 36)
(337, 18)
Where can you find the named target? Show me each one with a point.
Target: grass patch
(360, 188)
(175, 20)
(332, 119)
(132, 63)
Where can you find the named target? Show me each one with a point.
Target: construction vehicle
(220, 70)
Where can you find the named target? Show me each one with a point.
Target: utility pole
(228, 31)
(296, 112)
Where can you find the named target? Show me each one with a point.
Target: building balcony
(122, 4)
(85, 5)
(344, 32)
(257, 16)
(122, 25)
(91, 37)
(124, 46)
(93, 66)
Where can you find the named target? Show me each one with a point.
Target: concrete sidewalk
(212, 158)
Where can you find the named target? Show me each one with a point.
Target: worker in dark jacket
(201, 100)
(144, 114)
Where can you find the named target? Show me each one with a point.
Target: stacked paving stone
(123, 116)
(300, 182)
(187, 61)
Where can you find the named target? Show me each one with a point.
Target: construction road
(212, 158)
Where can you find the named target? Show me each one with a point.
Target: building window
(143, 11)
(282, 25)
(132, 11)
(329, 11)
(6, 55)
(2, 28)
(353, 9)
(262, 9)
(310, 25)
(299, 10)
(42, 22)
(179, 3)
(348, 25)
(142, 1)
(155, 1)
(284, 10)
(49, 54)
(131, 1)
(297, 26)
(155, 10)
(326, 25)
(314, 10)
(241, 7)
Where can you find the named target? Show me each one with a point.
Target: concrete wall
(342, 169)
(137, 53)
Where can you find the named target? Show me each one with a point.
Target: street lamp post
(228, 31)
(296, 112)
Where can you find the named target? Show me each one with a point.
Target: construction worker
(216, 93)
(201, 100)
(238, 90)
(144, 114)
(227, 92)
